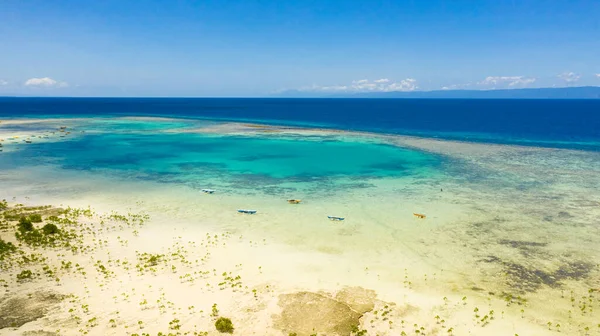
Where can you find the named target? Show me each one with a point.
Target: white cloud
(409, 84)
(44, 82)
(598, 75)
(456, 86)
(494, 82)
(569, 77)
(510, 81)
(3, 82)
(365, 85)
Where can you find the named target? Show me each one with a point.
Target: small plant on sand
(355, 331)
(35, 218)
(174, 325)
(50, 229)
(215, 311)
(224, 325)
(3, 204)
(24, 275)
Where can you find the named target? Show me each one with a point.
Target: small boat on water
(27, 141)
(245, 211)
(418, 215)
(208, 191)
(336, 218)
(294, 201)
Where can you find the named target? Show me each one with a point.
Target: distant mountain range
(583, 92)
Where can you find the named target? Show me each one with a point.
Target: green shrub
(11, 215)
(25, 225)
(48, 236)
(25, 275)
(50, 229)
(35, 218)
(33, 237)
(224, 325)
(3, 204)
(6, 248)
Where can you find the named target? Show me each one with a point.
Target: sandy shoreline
(204, 263)
(278, 278)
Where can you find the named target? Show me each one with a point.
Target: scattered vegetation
(356, 331)
(32, 257)
(18, 211)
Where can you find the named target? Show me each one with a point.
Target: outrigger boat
(335, 218)
(294, 201)
(418, 215)
(208, 191)
(244, 211)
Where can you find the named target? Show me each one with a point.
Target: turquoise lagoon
(159, 151)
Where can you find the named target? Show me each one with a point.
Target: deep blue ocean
(549, 123)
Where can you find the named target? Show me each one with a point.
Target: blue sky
(255, 48)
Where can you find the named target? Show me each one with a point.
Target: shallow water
(237, 162)
(506, 220)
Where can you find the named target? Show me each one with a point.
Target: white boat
(208, 191)
(246, 211)
(336, 218)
